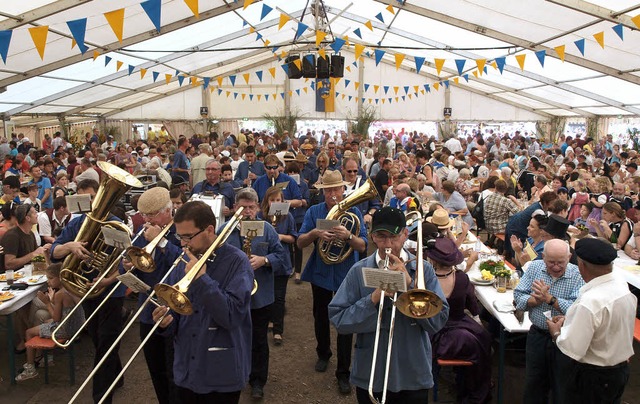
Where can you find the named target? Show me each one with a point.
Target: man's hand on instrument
(151, 231)
(257, 261)
(192, 262)
(324, 235)
(157, 314)
(341, 232)
(396, 264)
(127, 265)
(225, 211)
(368, 218)
(252, 176)
(77, 249)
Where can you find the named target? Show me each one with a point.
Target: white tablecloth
(22, 297)
(627, 269)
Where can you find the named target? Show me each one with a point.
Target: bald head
(556, 256)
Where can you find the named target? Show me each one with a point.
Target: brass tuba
(115, 183)
(327, 250)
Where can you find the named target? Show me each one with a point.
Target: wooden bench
(47, 344)
(446, 362)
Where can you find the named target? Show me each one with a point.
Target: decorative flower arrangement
(38, 258)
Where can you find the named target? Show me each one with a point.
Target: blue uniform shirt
(316, 271)
(244, 169)
(43, 185)
(68, 234)
(213, 345)
(288, 227)
(220, 188)
(292, 191)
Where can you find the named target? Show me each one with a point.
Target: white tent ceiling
(218, 43)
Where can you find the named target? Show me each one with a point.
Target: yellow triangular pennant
(290, 93)
(228, 93)
(494, 64)
(322, 53)
(283, 54)
(298, 64)
(348, 68)
(247, 3)
(305, 89)
(283, 20)
(343, 95)
(39, 37)
(436, 86)
(252, 30)
(118, 65)
(439, 65)
(274, 96)
(480, 63)
(636, 20)
(369, 100)
(357, 85)
(267, 42)
(246, 77)
(399, 58)
(193, 6)
(390, 9)
(375, 89)
(475, 73)
(320, 85)
(409, 95)
(211, 89)
(115, 19)
(520, 58)
(369, 25)
(359, 50)
(599, 37)
(272, 71)
(167, 78)
(422, 91)
(95, 54)
(456, 80)
(395, 89)
(259, 96)
(219, 79)
(320, 35)
(193, 81)
(73, 43)
(560, 51)
(416, 88)
(396, 99)
(346, 41)
(243, 96)
(142, 73)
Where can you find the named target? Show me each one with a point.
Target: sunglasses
(352, 171)
(271, 167)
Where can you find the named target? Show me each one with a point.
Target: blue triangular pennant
(180, 80)
(244, 23)
(235, 95)
(541, 54)
(313, 85)
(619, 29)
(206, 81)
(232, 79)
(265, 11)
(107, 60)
(285, 67)
(355, 63)
(427, 88)
(386, 89)
(250, 97)
(258, 36)
(460, 65)
(5, 40)
(155, 76)
(350, 97)
(403, 97)
(377, 100)
(298, 92)
(446, 83)
(346, 83)
(419, 62)
(266, 97)
(466, 77)
(259, 74)
(379, 17)
(301, 28)
(357, 32)
(362, 99)
(406, 89)
(366, 87)
(337, 44)
(153, 9)
(219, 91)
(580, 44)
(282, 95)
(131, 68)
(500, 62)
(379, 54)
(78, 29)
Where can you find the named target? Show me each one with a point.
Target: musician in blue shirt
(107, 324)
(274, 176)
(213, 344)
(267, 257)
(212, 184)
(325, 278)
(249, 169)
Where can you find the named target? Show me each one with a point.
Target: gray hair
(247, 194)
(506, 171)
(212, 160)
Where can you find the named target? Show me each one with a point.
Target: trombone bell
(141, 260)
(174, 298)
(418, 303)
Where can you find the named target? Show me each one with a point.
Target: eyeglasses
(271, 167)
(352, 171)
(188, 239)
(151, 215)
(212, 169)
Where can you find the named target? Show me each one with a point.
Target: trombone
(142, 258)
(392, 323)
(69, 341)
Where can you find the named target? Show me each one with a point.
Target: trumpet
(392, 323)
(69, 341)
(150, 299)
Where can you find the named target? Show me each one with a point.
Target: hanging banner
(325, 95)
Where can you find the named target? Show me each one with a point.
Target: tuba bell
(115, 183)
(336, 251)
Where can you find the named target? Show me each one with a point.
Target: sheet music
(279, 208)
(116, 238)
(324, 224)
(79, 203)
(389, 281)
(252, 228)
(296, 178)
(134, 283)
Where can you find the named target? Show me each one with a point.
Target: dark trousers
(296, 254)
(277, 308)
(321, 299)
(401, 397)
(188, 396)
(259, 346)
(103, 329)
(587, 384)
(546, 369)
(158, 352)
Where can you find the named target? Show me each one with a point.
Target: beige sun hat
(153, 200)
(331, 179)
(300, 158)
(440, 218)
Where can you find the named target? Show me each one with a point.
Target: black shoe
(321, 365)
(344, 386)
(257, 393)
(19, 351)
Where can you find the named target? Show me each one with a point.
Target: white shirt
(598, 328)
(453, 145)
(403, 256)
(44, 227)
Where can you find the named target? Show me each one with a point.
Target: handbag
(478, 214)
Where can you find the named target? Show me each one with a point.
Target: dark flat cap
(595, 251)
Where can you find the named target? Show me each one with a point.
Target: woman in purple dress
(463, 337)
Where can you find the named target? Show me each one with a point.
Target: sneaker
(321, 365)
(277, 339)
(344, 386)
(257, 393)
(29, 372)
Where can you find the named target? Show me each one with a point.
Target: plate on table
(481, 282)
(35, 280)
(4, 296)
(16, 275)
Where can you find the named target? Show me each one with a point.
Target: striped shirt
(564, 288)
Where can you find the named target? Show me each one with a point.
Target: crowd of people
(533, 198)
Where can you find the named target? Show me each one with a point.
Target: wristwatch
(266, 262)
(552, 301)
(350, 236)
